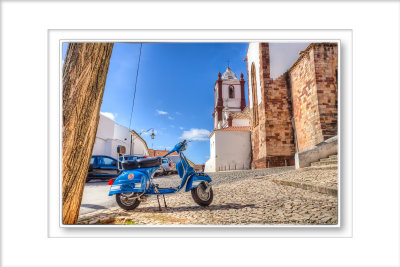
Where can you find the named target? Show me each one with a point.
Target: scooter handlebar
(181, 144)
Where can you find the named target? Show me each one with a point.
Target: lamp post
(153, 135)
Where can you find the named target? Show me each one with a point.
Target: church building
(230, 146)
(294, 118)
(290, 120)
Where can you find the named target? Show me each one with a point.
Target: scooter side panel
(129, 181)
(196, 179)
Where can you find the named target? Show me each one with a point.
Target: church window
(254, 94)
(231, 92)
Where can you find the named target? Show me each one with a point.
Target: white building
(110, 135)
(230, 144)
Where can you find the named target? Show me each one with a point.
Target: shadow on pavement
(227, 206)
(93, 206)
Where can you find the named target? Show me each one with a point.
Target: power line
(134, 94)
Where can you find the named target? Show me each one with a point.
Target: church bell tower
(229, 97)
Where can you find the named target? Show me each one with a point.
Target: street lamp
(152, 133)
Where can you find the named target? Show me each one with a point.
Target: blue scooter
(135, 183)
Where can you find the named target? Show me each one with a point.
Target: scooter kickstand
(159, 206)
(165, 203)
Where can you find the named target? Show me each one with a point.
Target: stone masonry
(313, 84)
(307, 92)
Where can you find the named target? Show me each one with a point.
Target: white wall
(110, 135)
(210, 163)
(231, 102)
(228, 156)
(105, 130)
(253, 56)
(240, 122)
(99, 147)
(122, 133)
(139, 148)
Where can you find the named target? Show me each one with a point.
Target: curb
(315, 188)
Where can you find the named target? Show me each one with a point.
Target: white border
(375, 118)
(56, 37)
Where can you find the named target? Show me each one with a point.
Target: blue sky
(174, 89)
(175, 93)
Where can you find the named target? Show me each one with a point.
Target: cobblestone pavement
(319, 176)
(318, 179)
(240, 198)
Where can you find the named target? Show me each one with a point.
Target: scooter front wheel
(201, 197)
(127, 201)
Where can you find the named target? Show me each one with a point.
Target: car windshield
(127, 158)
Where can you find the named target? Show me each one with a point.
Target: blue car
(103, 167)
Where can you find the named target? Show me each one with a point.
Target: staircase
(331, 161)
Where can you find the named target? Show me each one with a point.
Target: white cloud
(180, 127)
(178, 113)
(170, 118)
(172, 126)
(196, 134)
(108, 115)
(161, 112)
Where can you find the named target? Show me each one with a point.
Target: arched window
(231, 92)
(254, 93)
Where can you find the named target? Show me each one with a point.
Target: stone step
(328, 160)
(308, 186)
(333, 156)
(323, 167)
(322, 163)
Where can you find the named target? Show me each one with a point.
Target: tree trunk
(84, 77)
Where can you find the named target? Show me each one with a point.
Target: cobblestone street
(240, 197)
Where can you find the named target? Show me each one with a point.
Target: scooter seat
(141, 163)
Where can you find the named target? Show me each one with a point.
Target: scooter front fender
(129, 181)
(195, 180)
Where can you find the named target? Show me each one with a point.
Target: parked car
(166, 167)
(102, 167)
(130, 157)
(174, 160)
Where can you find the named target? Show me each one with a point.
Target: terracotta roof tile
(233, 128)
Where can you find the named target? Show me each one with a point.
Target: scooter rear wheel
(127, 201)
(201, 197)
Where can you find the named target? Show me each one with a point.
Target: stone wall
(326, 64)
(279, 129)
(313, 85)
(258, 134)
(307, 93)
(272, 138)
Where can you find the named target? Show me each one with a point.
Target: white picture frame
(370, 65)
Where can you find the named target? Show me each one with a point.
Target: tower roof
(229, 75)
